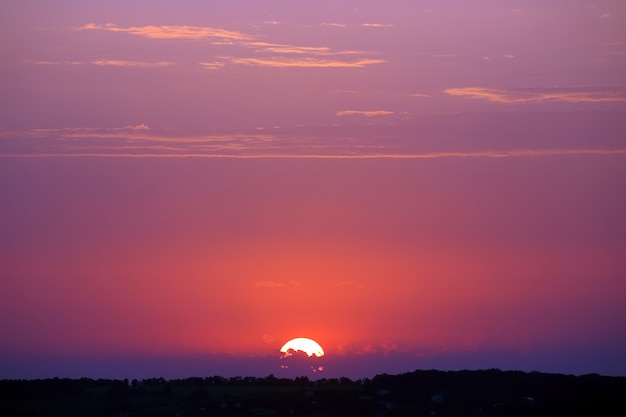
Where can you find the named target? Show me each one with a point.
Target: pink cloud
(279, 51)
(172, 32)
(376, 25)
(140, 141)
(305, 62)
(137, 64)
(365, 113)
(504, 96)
(294, 49)
(212, 65)
(333, 24)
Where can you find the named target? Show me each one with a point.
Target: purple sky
(184, 186)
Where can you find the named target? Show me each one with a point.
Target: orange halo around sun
(303, 344)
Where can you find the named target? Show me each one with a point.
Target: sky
(414, 184)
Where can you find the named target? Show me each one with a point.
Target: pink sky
(413, 183)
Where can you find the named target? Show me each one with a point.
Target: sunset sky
(186, 185)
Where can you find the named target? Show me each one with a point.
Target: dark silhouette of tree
(463, 393)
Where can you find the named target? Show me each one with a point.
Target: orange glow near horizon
(329, 292)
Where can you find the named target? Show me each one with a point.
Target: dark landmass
(419, 393)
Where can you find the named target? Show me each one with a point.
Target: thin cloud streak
(304, 62)
(117, 142)
(42, 131)
(503, 96)
(293, 49)
(377, 25)
(172, 32)
(365, 113)
(279, 52)
(106, 62)
(437, 155)
(122, 63)
(212, 65)
(37, 62)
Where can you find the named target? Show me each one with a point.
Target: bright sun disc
(308, 346)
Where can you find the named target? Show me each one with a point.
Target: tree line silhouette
(430, 393)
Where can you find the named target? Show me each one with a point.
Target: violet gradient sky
(185, 185)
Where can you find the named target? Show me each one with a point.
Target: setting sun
(303, 344)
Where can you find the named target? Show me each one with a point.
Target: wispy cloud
(366, 113)
(106, 62)
(295, 49)
(388, 346)
(462, 56)
(305, 62)
(85, 139)
(266, 54)
(36, 62)
(333, 24)
(42, 132)
(436, 155)
(577, 95)
(377, 25)
(122, 63)
(172, 32)
(140, 141)
(363, 25)
(212, 65)
(136, 127)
